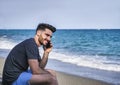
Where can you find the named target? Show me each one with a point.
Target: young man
(26, 54)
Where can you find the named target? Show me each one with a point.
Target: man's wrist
(46, 54)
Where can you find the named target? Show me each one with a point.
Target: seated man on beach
(25, 55)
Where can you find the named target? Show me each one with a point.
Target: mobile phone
(48, 45)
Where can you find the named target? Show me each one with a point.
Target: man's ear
(38, 32)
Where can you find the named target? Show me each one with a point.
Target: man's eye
(47, 34)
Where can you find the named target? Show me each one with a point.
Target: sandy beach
(66, 79)
(1, 68)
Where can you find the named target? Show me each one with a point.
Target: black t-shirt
(17, 60)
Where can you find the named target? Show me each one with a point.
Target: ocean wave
(97, 62)
(6, 43)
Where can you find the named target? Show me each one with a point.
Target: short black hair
(43, 26)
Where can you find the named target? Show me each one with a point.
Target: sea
(94, 53)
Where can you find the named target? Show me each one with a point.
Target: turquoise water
(90, 48)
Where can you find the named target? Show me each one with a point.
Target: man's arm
(45, 56)
(44, 60)
(34, 66)
(38, 67)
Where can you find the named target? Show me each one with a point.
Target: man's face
(45, 37)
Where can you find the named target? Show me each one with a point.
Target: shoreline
(108, 77)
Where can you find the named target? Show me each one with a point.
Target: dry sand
(1, 66)
(68, 79)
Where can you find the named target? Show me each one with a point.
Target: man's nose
(49, 38)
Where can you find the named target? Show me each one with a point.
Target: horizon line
(62, 28)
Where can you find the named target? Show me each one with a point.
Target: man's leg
(47, 79)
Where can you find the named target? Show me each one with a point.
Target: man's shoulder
(30, 40)
(25, 42)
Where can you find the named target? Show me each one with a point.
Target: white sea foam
(6, 43)
(96, 62)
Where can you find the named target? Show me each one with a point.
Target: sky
(63, 14)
